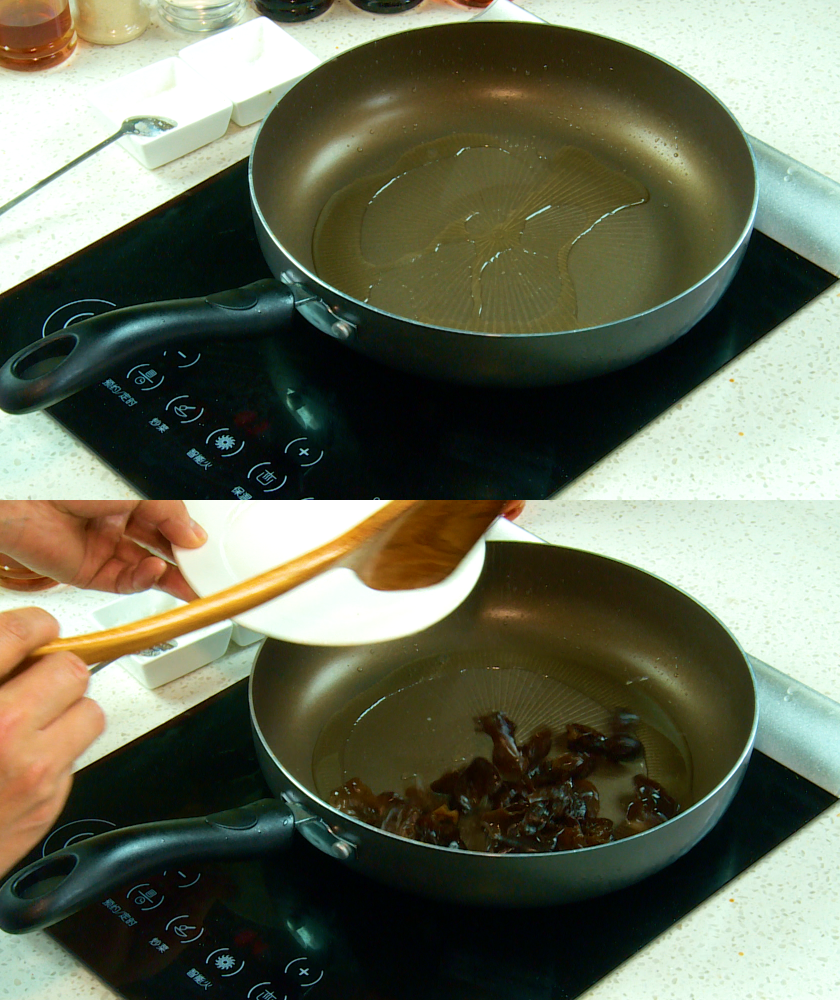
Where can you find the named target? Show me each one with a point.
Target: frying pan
(635, 245)
(548, 633)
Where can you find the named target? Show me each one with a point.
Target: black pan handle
(65, 881)
(56, 366)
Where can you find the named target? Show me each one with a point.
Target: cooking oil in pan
(475, 232)
(418, 723)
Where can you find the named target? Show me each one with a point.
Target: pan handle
(60, 884)
(62, 363)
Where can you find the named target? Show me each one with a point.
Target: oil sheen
(418, 723)
(474, 232)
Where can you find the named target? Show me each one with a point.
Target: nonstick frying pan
(613, 197)
(547, 634)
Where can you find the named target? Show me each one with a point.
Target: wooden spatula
(405, 545)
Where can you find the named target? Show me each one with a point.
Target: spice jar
(110, 22)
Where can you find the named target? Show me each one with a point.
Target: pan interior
(418, 723)
(477, 232)
(629, 123)
(550, 636)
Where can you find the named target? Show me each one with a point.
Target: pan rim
(309, 274)
(342, 822)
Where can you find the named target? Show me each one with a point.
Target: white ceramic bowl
(248, 537)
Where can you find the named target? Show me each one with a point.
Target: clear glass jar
(201, 15)
(110, 22)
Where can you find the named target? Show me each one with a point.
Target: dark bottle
(290, 11)
(385, 6)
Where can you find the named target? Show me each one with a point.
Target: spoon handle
(61, 170)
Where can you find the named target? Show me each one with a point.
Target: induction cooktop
(300, 415)
(301, 924)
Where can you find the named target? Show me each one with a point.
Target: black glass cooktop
(300, 924)
(302, 416)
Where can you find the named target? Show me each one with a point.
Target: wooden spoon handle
(133, 637)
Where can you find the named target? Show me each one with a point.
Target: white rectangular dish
(170, 89)
(170, 660)
(253, 64)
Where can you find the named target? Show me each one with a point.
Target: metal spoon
(144, 126)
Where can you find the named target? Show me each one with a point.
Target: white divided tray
(254, 64)
(168, 89)
(172, 659)
(239, 73)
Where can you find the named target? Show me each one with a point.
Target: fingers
(155, 524)
(24, 824)
(38, 695)
(155, 520)
(172, 582)
(72, 732)
(155, 572)
(22, 631)
(36, 775)
(135, 571)
(45, 723)
(106, 545)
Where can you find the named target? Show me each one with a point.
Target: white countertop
(732, 494)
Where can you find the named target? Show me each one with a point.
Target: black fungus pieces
(524, 799)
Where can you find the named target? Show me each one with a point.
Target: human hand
(117, 546)
(45, 723)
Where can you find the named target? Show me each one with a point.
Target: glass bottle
(201, 15)
(16, 576)
(385, 6)
(110, 22)
(291, 11)
(35, 34)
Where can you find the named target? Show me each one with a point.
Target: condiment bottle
(385, 6)
(110, 22)
(201, 16)
(291, 11)
(16, 576)
(35, 34)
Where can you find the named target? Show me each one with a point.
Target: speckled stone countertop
(733, 494)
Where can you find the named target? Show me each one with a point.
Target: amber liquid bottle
(16, 576)
(35, 34)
